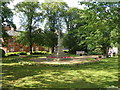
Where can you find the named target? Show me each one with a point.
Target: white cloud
(72, 3)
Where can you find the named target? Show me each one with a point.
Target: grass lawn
(28, 74)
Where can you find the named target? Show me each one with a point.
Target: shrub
(65, 51)
(13, 55)
(38, 53)
(22, 53)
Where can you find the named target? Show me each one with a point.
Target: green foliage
(39, 53)
(30, 10)
(70, 42)
(103, 24)
(53, 14)
(50, 39)
(6, 14)
(13, 54)
(22, 53)
(96, 51)
(38, 37)
(6, 20)
(75, 22)
(5, 37)
(71, 17)
(95, 27)
(23, 38)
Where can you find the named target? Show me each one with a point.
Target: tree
(53, 16)
(74, 22)
(70, 42)
(7, 20)
(39, 37)
(72, 15)
(101, 24)
(31, 16)
(50, 39)
(96, 27)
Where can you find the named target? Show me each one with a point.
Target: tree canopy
(29, 20)
(93, 29)
(6, 20)
(96, 28)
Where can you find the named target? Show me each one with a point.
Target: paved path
(72, 60)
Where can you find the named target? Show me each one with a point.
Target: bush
(38, 53)
(13, 55)
(22, 53)
(65, 51)
(3, 52)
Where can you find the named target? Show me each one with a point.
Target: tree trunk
(30, 49)
(30, 35)
(52, 49)
(31, 43)
(105, 51)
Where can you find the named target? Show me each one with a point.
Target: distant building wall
(12, 46)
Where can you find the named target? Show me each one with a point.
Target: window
(12, 49)
(12, 40)
(37, 48)
(21, 48)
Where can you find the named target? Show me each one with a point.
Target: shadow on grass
(94, 75)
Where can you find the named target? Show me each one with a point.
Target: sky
(71, 3)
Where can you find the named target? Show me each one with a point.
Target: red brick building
(13, 46)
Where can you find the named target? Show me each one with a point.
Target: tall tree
(74, 22)
(97, 27)
(30, 19)
(53, 15)
(100, 23)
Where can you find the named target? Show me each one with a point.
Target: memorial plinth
(59, 54)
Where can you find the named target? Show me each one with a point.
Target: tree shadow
(42, 74)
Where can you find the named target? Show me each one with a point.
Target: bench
(81, 53)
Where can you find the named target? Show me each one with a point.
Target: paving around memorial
(70, 60)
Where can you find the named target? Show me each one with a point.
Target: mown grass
(24, 73)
